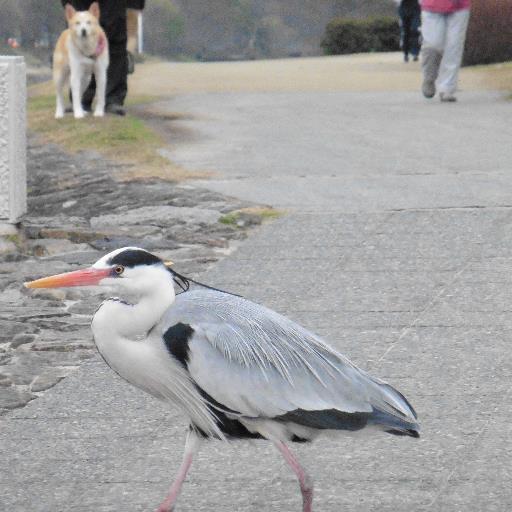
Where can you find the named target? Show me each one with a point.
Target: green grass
(38, 103)
(127, 140)
(230, 219)
(270, 213)
(103, 134)
(17, 239)
(262, 214)
(140, 99)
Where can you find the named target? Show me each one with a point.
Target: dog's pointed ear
(94, 9)
(70, 11)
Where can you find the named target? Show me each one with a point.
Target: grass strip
(127, 140)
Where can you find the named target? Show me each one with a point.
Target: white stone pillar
(13, 143)
(140, 33)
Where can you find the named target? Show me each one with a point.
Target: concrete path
(396, 246)
(350, 152)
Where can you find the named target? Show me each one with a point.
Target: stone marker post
(13, 174)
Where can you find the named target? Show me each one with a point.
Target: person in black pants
(410, 22)
(113, 21)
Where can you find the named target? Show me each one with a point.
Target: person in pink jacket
(444, 24)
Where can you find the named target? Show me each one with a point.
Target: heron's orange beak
(86, 277)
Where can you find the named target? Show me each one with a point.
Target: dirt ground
(362, 72)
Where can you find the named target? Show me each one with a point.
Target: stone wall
(13, 178)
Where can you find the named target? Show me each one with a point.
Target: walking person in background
(113, 21)
(410, 21)
(444, 24)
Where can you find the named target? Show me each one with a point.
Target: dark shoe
(415, 58)
(115, 108)
(406, 57)
(428, 88)
(131, 62)
(447, 97)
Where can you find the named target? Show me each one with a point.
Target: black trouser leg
(88, 95)
(406, 34)
(415, 36)
(117, 74)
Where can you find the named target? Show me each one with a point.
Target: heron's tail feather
(409, 432)
(333, 419)
(393, 424)
(401, 398)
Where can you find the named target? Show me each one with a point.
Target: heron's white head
(130, 272)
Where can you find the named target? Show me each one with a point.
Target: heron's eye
(119, 270)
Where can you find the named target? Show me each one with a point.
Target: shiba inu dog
(81, 50)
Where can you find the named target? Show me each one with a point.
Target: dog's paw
(79, 115)
(59, 115)
(99, 113)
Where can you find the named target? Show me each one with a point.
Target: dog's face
(83, 24)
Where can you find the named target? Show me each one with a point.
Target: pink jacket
(445, 6)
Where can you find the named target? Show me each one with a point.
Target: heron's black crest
(180, 280)
(134, 257)
(184, 283)
(176, 340)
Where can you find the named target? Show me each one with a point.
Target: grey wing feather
(259, 362)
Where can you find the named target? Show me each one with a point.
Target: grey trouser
(443, 44)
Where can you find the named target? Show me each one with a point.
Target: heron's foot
(307, 500)
(166, 507)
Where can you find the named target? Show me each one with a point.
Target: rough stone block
(13, 178)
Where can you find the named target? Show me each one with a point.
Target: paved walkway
(396, 246)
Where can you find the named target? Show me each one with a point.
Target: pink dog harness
(102, 43)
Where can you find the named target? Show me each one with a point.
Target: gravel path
(78, 211)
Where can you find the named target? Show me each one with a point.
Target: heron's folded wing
(254, 361)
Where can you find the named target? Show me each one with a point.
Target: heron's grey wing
(254, 361)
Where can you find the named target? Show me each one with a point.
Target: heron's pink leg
(191, 446)
(306, 486)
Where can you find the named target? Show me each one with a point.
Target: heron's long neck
(133, 320)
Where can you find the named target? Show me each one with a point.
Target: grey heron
(235, 368)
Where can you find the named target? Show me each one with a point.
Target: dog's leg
(100, 73)
(76, 91)
(59, 80)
